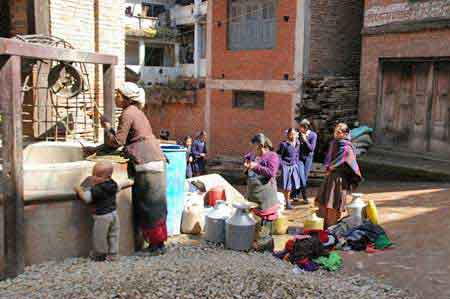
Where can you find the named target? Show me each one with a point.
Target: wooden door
(394, 119)
(414, 113)
(422, 90)
(439, 122)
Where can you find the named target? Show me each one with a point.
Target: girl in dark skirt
(187, 142)
(343, 176)
(308, 141)
(292, 172)
(199, 153)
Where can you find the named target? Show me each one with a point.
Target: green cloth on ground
(383, 242)
(331, 263)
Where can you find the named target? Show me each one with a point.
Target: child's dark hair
(185, 139)
(261, 139)
(290, 130)
(201, 134)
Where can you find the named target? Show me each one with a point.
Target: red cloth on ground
(289, 246)
(323, 235)
(156, 235)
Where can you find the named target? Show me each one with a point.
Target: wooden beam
(18, 48)
(108, 93)
(276, 86)
(11, 102)
(42, 16)
(408, 26)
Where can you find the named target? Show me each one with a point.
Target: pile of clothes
(311, 251)
(316, 249)
(365, 237)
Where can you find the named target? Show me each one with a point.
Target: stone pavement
(416, 217)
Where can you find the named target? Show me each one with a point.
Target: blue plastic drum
(175, 178)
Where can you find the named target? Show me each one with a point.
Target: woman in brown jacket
(146, 165)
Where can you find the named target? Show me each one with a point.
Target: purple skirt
(292, 176)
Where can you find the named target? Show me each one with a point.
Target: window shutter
(252, 24)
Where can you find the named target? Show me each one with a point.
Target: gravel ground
(189, 272)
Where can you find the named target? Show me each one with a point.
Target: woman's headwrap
(133, 92)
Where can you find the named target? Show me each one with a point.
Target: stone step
(383, 163)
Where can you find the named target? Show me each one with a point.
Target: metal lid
(244, 205)
(220, 211)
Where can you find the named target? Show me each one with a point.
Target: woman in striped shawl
(343, 176)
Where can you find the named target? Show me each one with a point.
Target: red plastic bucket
(215, 194)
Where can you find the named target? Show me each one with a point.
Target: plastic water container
(175, 179)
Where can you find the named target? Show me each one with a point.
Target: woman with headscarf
(199, 153)
(343, 176)
(261, 167)
(146, 165)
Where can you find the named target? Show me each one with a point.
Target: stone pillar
(197, 36)
(141, 52)
(177, 55)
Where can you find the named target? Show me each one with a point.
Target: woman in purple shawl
(343, 176)
(261, 167)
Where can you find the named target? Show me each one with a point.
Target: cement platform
(383, 163)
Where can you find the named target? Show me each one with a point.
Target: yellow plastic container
(371, 211)
(314, 222)
(280, 226)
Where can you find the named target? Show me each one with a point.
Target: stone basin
(57, 224)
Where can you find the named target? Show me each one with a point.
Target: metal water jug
(215, 222)
(240, 228)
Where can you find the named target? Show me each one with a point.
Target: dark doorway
(5, 19)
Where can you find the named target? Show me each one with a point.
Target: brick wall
(404, 45)
(180, 119)
(335, 39)
(232, 129)
(75, 21)
(254, 64)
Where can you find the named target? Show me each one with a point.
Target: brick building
(405, 74)
(89, 25)
(260, 55)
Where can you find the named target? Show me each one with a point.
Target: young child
(343, 176)
(99, 191)
(187, 142)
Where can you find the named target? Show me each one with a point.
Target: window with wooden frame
(248, 99)
(252, 24)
